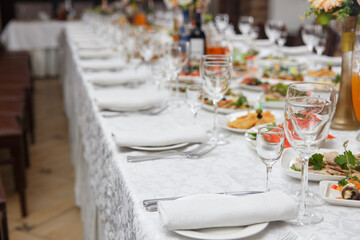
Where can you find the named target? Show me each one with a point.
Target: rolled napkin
(103, 65)
(216, 210)
(101, 53)
(155, 131)
(128, 99)
(118, 78)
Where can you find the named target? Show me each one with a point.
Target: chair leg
(20, 179)
(30, 114)
(25, 146)
(5, 226)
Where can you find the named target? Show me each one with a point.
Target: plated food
(232, 101)
(332, 163)
(255, 82)
(278, 71)
(324, 72)
(252, 119)
(330, 193)
(276, 92)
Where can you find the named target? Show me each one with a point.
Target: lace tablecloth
(110, 189)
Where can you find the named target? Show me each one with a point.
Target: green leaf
(343, 182)
(341, 161)
(316, 161)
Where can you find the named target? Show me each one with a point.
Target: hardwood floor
(50, 191)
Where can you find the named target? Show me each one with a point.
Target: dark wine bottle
(197, 42)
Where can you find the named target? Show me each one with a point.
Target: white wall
(289, 11)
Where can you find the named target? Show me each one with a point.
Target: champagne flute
(309, 108)
(194, 99)
(270, 142)
(216, 78)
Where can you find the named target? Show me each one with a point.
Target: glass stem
(304, 186)
(195, 115)
(177, 88)
(268, 172)
(215, 118)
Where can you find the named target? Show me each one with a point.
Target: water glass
(270, 142)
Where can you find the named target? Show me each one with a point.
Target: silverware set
(195, 153)
(151, 204)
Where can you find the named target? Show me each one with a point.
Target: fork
(290, 236)
(198, 152)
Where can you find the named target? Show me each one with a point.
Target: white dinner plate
(210, 108)
(159, 148)
(330, 195)
(224, 233)
(231, 117)
(289, 157)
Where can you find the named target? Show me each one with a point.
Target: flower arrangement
(170, 4)
(326, 10)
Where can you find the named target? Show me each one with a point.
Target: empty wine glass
(308, 35)
(216, 78)
(282, 40)
(273, 29)
(245, 24)
(320, 45)
(194, 99)
(309, 108)
(222, 21)
(270, 142)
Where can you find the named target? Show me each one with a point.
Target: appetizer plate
(289, 157)
(224, 233)
(330, 195)
(159, 148)
(210, 108)
(231, 117)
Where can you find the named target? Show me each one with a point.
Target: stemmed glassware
(273, 30)
(308, 35)
(282, 40)
(309, 108)
(245, 24)
(270, 142)
(216, 78)
(320, 44)
(222, 22)
(194, 99)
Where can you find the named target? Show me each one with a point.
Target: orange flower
(326, 5)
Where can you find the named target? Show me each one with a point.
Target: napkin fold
(156, 131)
(102, 64)
(128, 99)
(118, 78)
(216, 210)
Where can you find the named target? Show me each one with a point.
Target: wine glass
(194, 99)
(245, 23)
(222, 21)
(320, 45)
(309, 108)
(270, 142)
(216, 78)
(282, 40)
(308, 35)
(273, 30)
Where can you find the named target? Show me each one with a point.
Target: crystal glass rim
(320, 89)
(271, 128)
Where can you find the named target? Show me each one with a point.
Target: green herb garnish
(316, 160)
(343, 182)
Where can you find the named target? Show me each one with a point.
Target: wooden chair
(11, 138)
(4, 232)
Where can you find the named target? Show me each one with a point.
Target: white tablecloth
(40, 38)
(110, 190)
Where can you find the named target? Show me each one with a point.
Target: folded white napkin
(92, 45)
(128, 99)
(298, 50)
(97, 53)
(102, 65)
(216, 210)
(155, 131)
(118, 78)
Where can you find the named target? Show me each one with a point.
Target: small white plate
(330, 195)
(158, 148)
(224, 233)
(289, 157)
(210, 108)
(232, 117)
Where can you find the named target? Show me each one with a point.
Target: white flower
(184, 2)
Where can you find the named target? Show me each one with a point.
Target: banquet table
(40, 38)
(110, 190)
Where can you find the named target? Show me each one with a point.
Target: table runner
(116, 188)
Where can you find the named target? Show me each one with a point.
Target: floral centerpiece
(326, 10)
(347, 11)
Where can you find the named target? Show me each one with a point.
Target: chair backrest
(30, 10)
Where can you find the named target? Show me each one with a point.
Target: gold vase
(344, 118)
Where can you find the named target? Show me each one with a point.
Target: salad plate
(224, 233)
(332, 196)
(288, 158)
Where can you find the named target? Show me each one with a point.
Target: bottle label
(197, 48)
